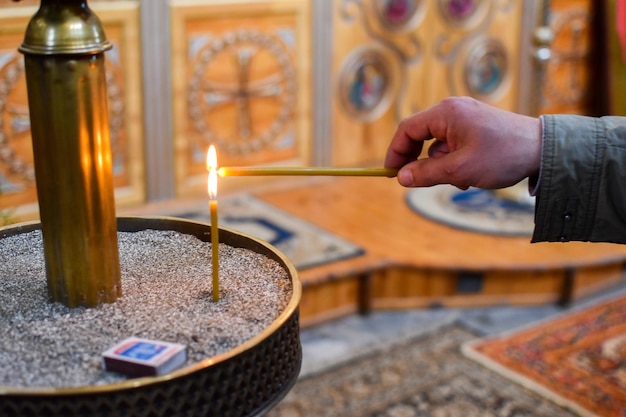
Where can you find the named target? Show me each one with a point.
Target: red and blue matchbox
(137, 357)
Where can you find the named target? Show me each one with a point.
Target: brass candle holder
(64, 47)
(246, 381)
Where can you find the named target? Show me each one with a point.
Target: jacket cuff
(533, 182)
(569, 178)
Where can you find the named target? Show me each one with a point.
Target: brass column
(64, 49)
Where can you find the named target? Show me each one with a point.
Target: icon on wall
(365, 84)
(486, 68)
(397, 14)
(461, 12)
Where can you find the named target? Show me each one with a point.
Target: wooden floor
(410, 261)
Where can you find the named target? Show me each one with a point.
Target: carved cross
(243, 90)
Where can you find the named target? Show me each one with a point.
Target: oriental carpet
(577, 360)
(305, 244)
(506, 212)
(424, 376)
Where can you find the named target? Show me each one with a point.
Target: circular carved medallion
(14, 124)
(242, 95)
(16, 153)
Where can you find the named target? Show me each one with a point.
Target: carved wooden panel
(17, 181)
(615, 35)
(568, 74)
(377, 69)
(396, 57)
(240, 81)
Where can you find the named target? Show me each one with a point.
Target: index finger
(408, 139)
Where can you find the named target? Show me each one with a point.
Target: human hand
(476, 145)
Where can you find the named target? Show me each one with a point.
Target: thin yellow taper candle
(215, 244)
(215, 241)
(307, 171)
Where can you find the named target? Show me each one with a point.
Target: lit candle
(211, 164)
(318, 171)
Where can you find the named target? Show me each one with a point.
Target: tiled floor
(330, 344)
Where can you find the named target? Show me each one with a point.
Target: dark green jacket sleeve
(582, 184)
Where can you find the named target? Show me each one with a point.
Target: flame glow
(211, 166)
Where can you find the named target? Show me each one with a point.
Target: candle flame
(211, 166)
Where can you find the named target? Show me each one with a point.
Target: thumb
(425, 173)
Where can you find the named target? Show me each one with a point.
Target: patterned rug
(426, 376)
(577, 360)
(303, 243)
(510, 211)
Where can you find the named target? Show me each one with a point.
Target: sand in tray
(166, 295)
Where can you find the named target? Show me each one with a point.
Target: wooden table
(411, 261)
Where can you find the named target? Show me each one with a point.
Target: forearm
(582, 184)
